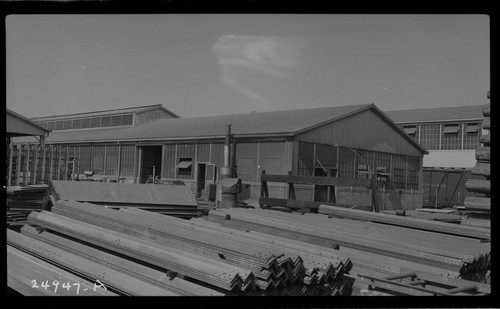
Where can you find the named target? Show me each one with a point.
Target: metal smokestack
(227, 154)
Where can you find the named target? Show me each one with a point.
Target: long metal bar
(109, 277)
(139, 271)
(30, 272)
(203, 269)
(407, 222)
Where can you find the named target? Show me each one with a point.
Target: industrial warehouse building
(355, 141)
(451, 135)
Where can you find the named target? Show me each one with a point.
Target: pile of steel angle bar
(137, 252)
(375, 249)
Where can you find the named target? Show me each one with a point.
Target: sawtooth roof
(473, 112)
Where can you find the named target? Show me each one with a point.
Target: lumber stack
(478, 186)
(134, 243)
(442, 217)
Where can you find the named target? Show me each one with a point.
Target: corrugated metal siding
(364, 130)
(272, 157)
(186, 151)
(246, 161)
(203, 152)
(168, 170)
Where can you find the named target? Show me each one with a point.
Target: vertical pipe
(175, 162)
(226, 145)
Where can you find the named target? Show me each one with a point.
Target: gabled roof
(126, 110)
(265, 124)
(473, 112)
(18, 125)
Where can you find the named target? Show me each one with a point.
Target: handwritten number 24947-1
(65, 285)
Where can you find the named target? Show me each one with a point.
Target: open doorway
(150, 163)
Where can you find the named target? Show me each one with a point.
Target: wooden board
(477, 203)
(482, 169)
(483, 154)
(478, 185)
(310, 180)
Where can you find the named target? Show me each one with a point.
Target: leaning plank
(477, 203)
(310, 180)
(415, 223)
(483, 154)
(478, 185)
(482, 169)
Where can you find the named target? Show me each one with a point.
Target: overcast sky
(202, 64)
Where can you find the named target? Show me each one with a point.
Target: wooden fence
(31, 164)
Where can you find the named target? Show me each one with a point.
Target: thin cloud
(274, 56)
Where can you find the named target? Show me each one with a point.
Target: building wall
(365, 130)
(152, 115)
(447, 148)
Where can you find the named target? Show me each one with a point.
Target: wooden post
(18, 164)
(11, 154)
(374, 194)
(58, 168)
(44, 161)
(66, 163)
(51, 166)
(26, 180)
(35, 165)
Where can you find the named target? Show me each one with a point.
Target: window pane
(127, 160)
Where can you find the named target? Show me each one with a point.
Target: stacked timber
(479, 184)
(370, 246)
(145, 245)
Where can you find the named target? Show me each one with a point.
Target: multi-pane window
(98, 159)
(429, 136)
(471, 135)
(413, 168)
(451, 137)
(364, 158)
(127, 160)
(305, 159)
(185, 152)
(346, 162)
(95, 122)
(412, 131)
(111, 160)
(399, 172)
(85, 158)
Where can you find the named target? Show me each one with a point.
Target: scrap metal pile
(375, 249)
(137, 252)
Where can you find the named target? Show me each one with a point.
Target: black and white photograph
(221, 155)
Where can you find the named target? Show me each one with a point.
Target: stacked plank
(168, 199)
(370, 246)
(188, 253)
(479, 183)
(442, 217)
